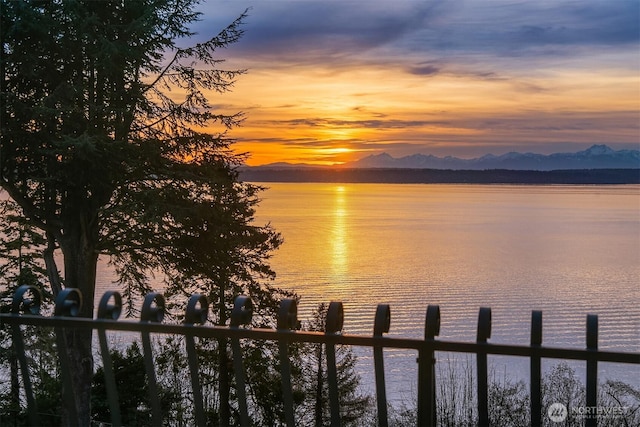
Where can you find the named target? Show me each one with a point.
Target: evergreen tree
(129, 374)
(102, 147)
(21, 263)
(130, 378)
(354, 407)
(21, 248)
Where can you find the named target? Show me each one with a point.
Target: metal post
(334, 322)
(592, 369)
(152, 311)
(68, 303)
(110, 312)
(381, 325)
(484, 333)
(196, 314)
(535, 387)
(427, 411)
(287, 321)
(241, 315)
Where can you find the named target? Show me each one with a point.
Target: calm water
(565, 250)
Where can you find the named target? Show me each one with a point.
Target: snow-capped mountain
(596, 157)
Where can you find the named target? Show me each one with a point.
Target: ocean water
(566, 250)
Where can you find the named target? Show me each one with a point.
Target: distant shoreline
(439, 176)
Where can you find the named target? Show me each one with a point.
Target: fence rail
(25, 310)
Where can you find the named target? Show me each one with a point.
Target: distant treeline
(437, 176)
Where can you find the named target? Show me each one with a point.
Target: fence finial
(22, 303)
(432, 322)
(68, 303)
(536, 328)
(288, 315)
(107, 310)
(484, 324)
(335, 318)
(197, 311)
(592, 331)
(242, 311)
(382, 321)
(152, 308)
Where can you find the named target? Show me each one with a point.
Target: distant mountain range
(596, 157)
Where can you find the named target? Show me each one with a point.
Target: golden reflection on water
(339, 237)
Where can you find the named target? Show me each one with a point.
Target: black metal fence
(26, 311)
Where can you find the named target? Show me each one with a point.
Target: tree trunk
(81, 363)
(52, 267)
(14, 404)
(80, 261)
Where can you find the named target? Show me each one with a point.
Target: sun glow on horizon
(336, 117)
(326, 89)
(338, 150)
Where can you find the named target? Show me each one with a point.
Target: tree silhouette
(353, 405)
(21, 264)
(102, 146)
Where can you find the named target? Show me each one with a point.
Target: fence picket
(535, 386)
(592, 368)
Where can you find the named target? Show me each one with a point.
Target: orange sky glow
(322, 91)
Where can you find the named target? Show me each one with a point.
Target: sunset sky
(332, 81)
